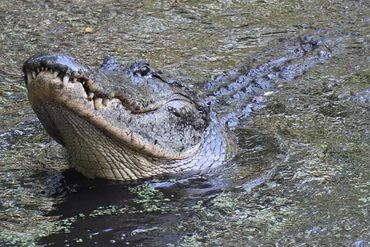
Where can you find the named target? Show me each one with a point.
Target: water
(300, 178)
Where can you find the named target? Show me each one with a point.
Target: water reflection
(151, 213)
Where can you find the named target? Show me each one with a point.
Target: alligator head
(122, 124)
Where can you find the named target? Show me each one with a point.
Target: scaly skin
(122, 124)
(127, 124)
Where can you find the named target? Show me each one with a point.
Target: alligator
(130, 123)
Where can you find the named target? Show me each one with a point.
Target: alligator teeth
(33, 75)
(55, 74)
(29, 77)
(74, 80)
(98, 103)
(90, 96)
(65, 80)
(38, 70)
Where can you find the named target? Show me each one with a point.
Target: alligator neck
(238, 92)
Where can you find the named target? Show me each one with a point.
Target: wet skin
(122, 123)
(131, 123)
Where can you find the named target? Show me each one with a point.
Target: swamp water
(302, 173)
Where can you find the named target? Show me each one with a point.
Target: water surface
(300, 178)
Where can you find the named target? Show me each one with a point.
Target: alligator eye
(144, 70)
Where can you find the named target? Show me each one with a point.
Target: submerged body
(127, 124)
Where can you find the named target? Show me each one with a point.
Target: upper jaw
(61, 63)
(68, 70)
(61, 66)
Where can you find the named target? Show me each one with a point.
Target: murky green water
(301, 177)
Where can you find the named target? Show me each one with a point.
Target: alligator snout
(63, 64)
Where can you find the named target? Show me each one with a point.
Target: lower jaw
(95, 155)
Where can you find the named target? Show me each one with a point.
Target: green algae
(149, 198)
(319, 194)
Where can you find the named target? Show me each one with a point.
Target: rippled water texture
(300, 177)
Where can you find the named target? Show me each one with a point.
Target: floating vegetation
(149, 198)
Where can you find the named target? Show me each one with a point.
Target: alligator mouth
(61, 82)
(91, 93)
(65, 81)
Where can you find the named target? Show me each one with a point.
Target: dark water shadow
(150, 213)
(105, 213)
